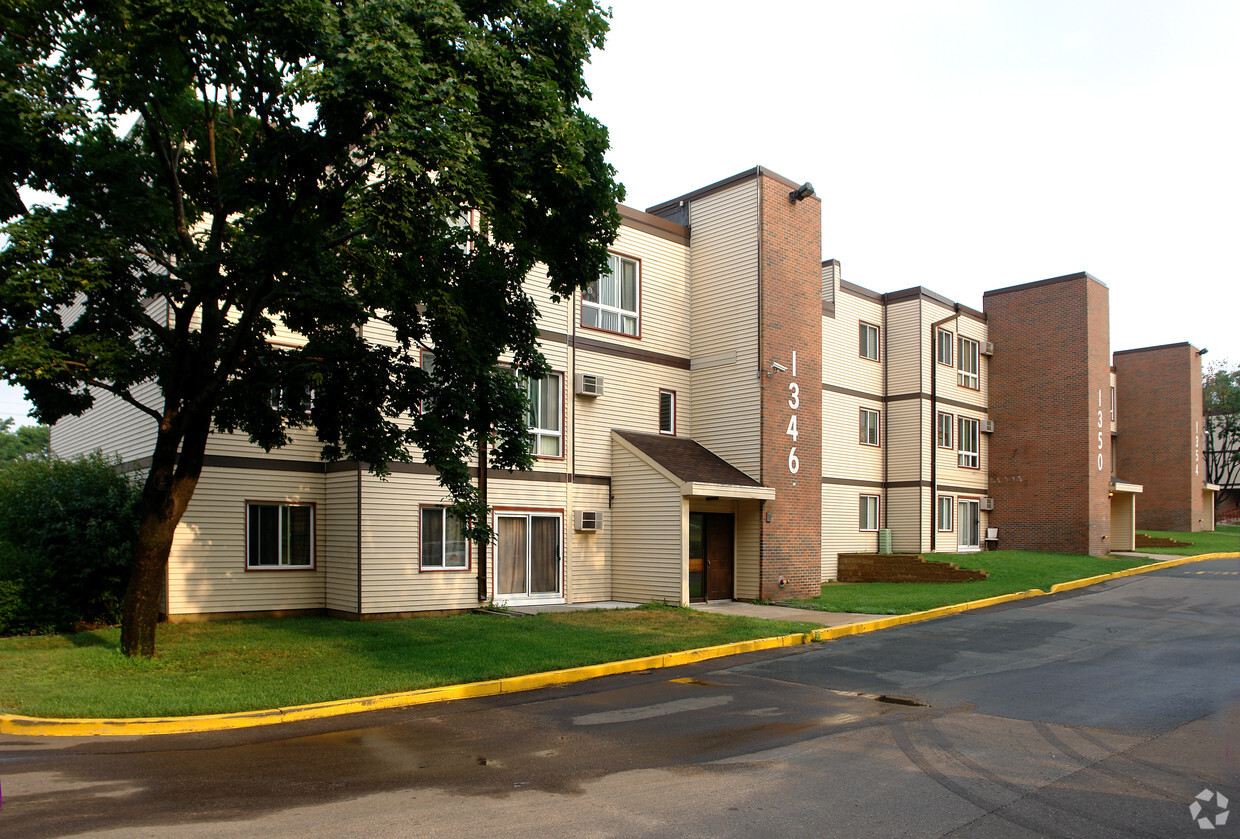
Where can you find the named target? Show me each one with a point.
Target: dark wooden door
(719, 556)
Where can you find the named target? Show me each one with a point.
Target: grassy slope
(1009, 571)
(1224, 540)
(207, 668)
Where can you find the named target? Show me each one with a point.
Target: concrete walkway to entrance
(719, 607)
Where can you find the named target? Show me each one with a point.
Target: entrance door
(968, 526)
(710, 556)
(527, 558)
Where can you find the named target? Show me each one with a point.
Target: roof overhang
(1124, 486)
(697, 489)
(1213, 487)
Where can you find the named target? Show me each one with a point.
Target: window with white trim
(545, 416)
(868, 431)
(868, 513)
(279, 535)
(968, 442)
(867, 339)
(667, 412)
(945, 342)
(1112, 404)
(442, 538)
(946, 422)
(610, 302)
(969, 363)
(947, 506)
(427, 361)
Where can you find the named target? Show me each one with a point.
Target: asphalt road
(1100, 713)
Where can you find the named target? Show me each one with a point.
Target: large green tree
(346, 168)
(1220, 391)
(28, 441)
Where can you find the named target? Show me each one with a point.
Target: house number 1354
(794, 402)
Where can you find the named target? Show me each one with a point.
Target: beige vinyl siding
(588, 555)
(649, 524)
(630, 402)
(726, 415)
(908, 440)
(339, 554)
(207, 566)
(908, 336)
(746, 574)
(908, 511)
(1123, 508)
(843, 455)
(112, 426)
(842, 364)
(391, 578)
(840, 509)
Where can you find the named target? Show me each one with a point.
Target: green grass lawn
(207, 668)
(1226, 539)
(1010, 571)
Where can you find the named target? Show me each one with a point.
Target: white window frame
(869, 425)
(945, 431)
(624, 317)
(970, 364)
(969, 435)
(1112, 404)
(868, 506)
(866, 344)
(541, 428)
(442, 564)
(283, 537)
(426, 360)
(947, 345)
(950, 508)
(668, 396)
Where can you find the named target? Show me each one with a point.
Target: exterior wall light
(802, 192)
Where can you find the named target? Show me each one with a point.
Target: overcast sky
(960, 145)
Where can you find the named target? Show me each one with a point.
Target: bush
(67, 530)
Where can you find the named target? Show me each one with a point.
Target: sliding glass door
(528, 558)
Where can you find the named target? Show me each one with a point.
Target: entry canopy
(694, 468)
(1120, 485)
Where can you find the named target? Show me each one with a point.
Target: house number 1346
(794, 402)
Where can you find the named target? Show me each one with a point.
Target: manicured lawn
(1010, 571)
(1226, 539)
(208, 668)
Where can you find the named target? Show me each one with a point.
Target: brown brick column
(1158, 434)
(1050, 386)
(790, 312)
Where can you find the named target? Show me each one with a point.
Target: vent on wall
(588, 384)
(988, 348)
(589, 520)
(988, 426)
(988, 503)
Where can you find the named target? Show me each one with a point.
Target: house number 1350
(794, 402)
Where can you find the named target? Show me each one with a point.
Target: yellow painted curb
(43, 727)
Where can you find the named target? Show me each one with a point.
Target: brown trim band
(852, 482)
(843, 391)
(618, 350)
(904, 397)
(654, 225)
(860, 291)
(320, 467)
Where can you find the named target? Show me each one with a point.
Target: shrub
(67, 529)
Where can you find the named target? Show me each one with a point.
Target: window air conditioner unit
(590, 521)
(988, 348)
(988, 426)
(988, 503)
(588, 384)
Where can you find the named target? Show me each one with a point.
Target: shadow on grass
(88, 639)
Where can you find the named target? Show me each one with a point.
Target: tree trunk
(170, 484)
(482, 496)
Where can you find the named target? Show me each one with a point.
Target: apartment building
(726, 415)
